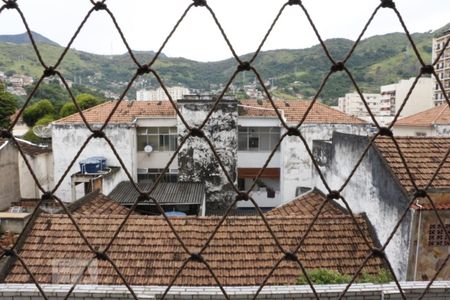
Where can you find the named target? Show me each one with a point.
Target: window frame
(162, 139)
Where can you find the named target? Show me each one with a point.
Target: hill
(377, 60)
(23, 38)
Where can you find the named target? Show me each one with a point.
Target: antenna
(43, 131)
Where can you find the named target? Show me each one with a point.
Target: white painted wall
(42, 166)
(253, 159)
(420, 99)
(9, 175)
(412, 130)
(371, 190)
(296, 165)
(156, 159)
(67, 140)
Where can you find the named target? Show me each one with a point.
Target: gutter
(418, 239)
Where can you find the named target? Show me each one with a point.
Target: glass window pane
(264, 142)
(253, 143)
(163, 130)
(242, 142)
(141, 142)
(173, 143)
(152, 130)
(153, 141)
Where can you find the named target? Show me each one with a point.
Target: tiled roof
(125, 113)
(165, 193)
(307, 205)
(96, 203)
(439, 206)
(33, 149)
(423, 155)
(436, 115)
(28, 147)
(241, 253)
(293, 111)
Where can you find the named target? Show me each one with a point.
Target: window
(421, 134)
(437, 236)
(160, 138)
(258, 138)
(150, 175)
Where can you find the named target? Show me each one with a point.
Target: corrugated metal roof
(165, 193)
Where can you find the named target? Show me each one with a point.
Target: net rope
(198, 132)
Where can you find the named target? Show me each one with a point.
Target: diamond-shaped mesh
(241, 66)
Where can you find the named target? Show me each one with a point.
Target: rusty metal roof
(166, 193)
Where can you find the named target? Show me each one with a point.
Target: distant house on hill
(382, 188)
(147, 133)
(431, 122)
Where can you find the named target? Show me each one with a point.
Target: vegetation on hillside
(376, 61)
(7, 107)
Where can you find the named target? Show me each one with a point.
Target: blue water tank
(175, 214)
(102, 160)
(89, 165)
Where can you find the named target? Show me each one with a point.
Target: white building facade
(146, 135)
(176, 92)
(442, 67)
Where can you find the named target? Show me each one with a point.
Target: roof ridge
(85, 110)
(439, 114)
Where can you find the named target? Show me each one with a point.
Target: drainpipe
(418, 239)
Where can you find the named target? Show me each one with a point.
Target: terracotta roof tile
(422, 155)
(436, 115)
(125, 113)
(147, 253)
(307, 205)
(128, 111)
(98, 204)
(28, 147)
(439, 206)
(295, 109)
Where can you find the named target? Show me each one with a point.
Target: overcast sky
(146, 23)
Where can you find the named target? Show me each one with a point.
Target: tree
(7, 107)
(36, 111)
(84, 101)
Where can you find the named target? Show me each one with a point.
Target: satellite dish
(43, 131)
(148, 149)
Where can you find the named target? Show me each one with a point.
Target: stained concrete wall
(67, 140)
(196, 161)
(42, 166)
(296, 164)
(9, 175)
(372, 190)
(426, 259)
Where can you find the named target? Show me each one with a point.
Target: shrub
(327, 276)
(36, 111)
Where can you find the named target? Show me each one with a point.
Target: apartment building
(352, 104)
(442, 66)
(393, 96)
(176, 92)
(147, 133)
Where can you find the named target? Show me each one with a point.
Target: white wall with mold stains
(296, 164)
(67, 140)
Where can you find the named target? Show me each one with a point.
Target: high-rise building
(442, 66)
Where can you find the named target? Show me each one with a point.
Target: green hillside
(377, 60)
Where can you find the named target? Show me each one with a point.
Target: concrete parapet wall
(439, 290)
